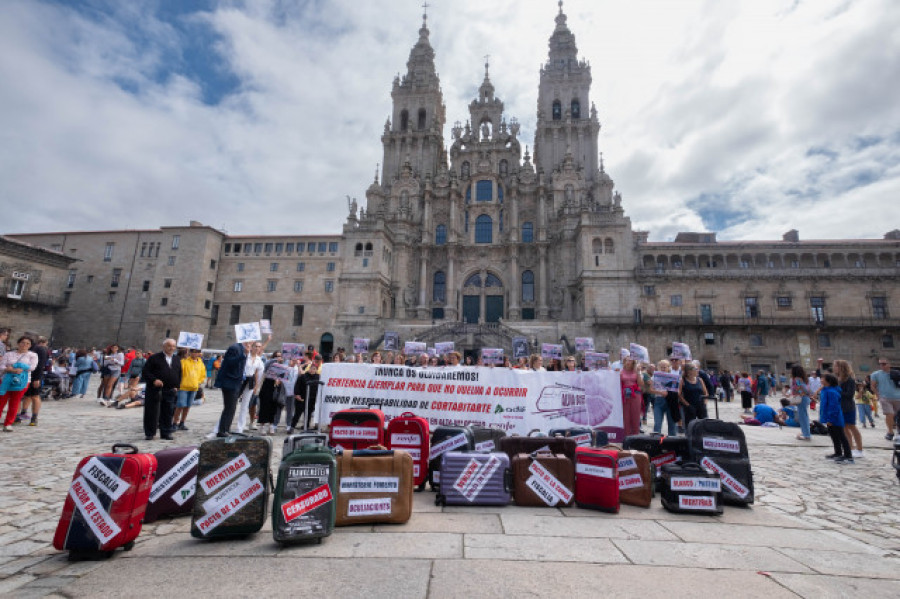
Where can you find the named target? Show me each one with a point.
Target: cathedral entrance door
(471, 308)
(493, 308)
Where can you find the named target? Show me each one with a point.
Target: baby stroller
(51, 386)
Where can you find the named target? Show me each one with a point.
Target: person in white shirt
(253, 377)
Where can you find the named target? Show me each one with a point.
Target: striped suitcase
(474, 478)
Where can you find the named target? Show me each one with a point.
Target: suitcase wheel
(128, 546)
(319, 540)
(420, 488)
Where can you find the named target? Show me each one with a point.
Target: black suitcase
(660, 448)
(688, 488)
(444, 439)
(233, 483)
(601, 438)
(583, 437)
(304, 504)
(486, 438)
(720, 447)
(175, 484)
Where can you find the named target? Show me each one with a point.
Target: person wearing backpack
(888, 393)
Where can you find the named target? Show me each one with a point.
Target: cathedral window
(527, 286)
(421, 119)
(473, 281)
(467, 221)
(504, 168)
(440, 235)
(439, 293)
(484, 229)
(358, 250)
(608, 246)
(527, 232)
(484, 191)
(404, 120)
(500, 193)
(597, 245)
(492, 281)
(368, 250)
(500, 227)
(557, 110)
(576, 109)
(464, 170)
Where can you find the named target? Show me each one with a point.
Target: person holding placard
(659, 399)
(691, 393)
(193, 373)
(229, 380)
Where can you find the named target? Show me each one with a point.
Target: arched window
(484, 229)
(468, 194)
(500, 224)
(404, 120)
(576, 109)
(440, 235)
(608, 246)
(504, 168)
(464, 170)
(421, 119)
(527, 232)
(369, 249)
(484, 191)
(492, 281)
(500, 193)
(473, 281)
(467, 221)
(358, 250)
(597, 245)
(557, 110)
(527, 286)
(440, 287)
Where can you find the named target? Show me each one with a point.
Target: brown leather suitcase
(543, 479)
(635, 477)
(514, 445)
(375, 485)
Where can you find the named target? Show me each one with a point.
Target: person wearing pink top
(13, 387)
(632, 399)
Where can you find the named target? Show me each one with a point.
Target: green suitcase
(304, 504)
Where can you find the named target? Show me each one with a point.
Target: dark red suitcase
(106, 502)
(357, 428)
(597, 479)
(176, 482)
(410, 433)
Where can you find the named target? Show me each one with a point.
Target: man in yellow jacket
(193, 373)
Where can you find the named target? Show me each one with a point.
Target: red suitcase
(597, 479)
(106, 502)
(357, 428)
(410, 433)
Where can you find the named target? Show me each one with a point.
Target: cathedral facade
(475, 240)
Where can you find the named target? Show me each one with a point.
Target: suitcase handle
(371, 453)
(535, 454)
(694, 466)
(534, 430)
(507, 481)
(407, 415)
(128, 446)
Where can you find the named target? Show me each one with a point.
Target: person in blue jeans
(800, 387)
(831, 413)
(661, 409)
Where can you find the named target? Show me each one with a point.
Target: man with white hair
(162, 373)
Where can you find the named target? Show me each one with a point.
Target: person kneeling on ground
(763, 414)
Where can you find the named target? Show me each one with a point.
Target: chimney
(792, 236)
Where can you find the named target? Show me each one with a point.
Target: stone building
(475, 240)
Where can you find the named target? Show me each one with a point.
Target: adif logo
(498, 409)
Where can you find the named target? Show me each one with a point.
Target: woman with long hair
(113, 360)
(800, 388)
(691, 391)
(632, 399)
(745, 387)
(847, 383)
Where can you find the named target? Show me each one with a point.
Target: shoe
(843, 460)
(889, 436)
(120, 406)
(220, 434)
(33, 421)
(149, 437)
(858, 453)
(112, 404)
(101, 401)
(253, 426)
(833, 456)
(167, 437)
(181, 427)
(7, 429)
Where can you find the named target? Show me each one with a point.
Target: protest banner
(360, 346)
(190, 340)
(513, 400)
(550, 351)
(594, 360)
(293, 351)
(666, 381)
(444, 347)
(278, 372)
(492, 355)
(265, 327)
(414, 348)
(584, 344)
(520, 347)
(682, 351)
(391, 341)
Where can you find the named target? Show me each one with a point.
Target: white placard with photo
(639, 353)
(550, 351)
(265, 327)
(414, 348)
(391, 341)
(682, 351)
(190, 340)
(583, 344)
(444, 347)
(492, 355)
(360, 346)
(247, 331)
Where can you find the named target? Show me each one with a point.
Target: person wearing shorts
(888, 394)
(193, 373)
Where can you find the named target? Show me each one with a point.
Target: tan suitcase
(375, 485)
(543, 479)
(635, 477)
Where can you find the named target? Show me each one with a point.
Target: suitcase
(233, 482)
(474, 478)
(720, 447)
(106, 502)
(543, 479)
(176, 481)
(357, 428)
(597, 479)
(374, 486)
(601, 438)
(583, 437)
(293, 442)
(487, 438)
(660, 448)
(444, 439)
(636, 481)
(688, 488)
(304, 504)
(410, 433)
(514, 445)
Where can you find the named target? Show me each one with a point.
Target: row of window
(746, 263)
(276, 266)
(272, 285)
(279, 247)
(465, 171)
(484, 230)
(574, 109)
(439, 285)
(268, 312)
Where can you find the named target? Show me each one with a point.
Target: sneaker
(121, 406)
(843, 460)
(889, 436)
(858, 453)
(181, 427)
(112, 404)
(289, 431)
(33, 422)
(23, 417)
(802, 438)
(253, 426)
(833, 456)
(7, 429)
(101, 401)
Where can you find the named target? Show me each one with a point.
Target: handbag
(15, 381)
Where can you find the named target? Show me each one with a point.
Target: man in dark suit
(162, 373)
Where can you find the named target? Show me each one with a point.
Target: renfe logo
(406, 439)
(728, 445)
(694, 502)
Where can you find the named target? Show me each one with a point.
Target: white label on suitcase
(405, 439)
(695, 502)
(183, 494)
(481, 478)
(104, 478)
(728, 445)
(369, 484)
(730, 482)
(681, 483)
(380, 506)
(353, 433)
(468, 473)
(593, 470)
(213, 502)
(99, 521)
(307, 502)
(584, 439)
(558, 489)
(485, 446)
(232, 504)
(174, 475)
(627, 464)
(632, 481)
(225, 473)
(541, 490)
(448, 444)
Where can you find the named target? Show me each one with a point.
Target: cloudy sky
(746, 117)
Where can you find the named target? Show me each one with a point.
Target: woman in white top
(253, 377)
(13, 365)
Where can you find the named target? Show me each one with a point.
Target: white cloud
(698, 99)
